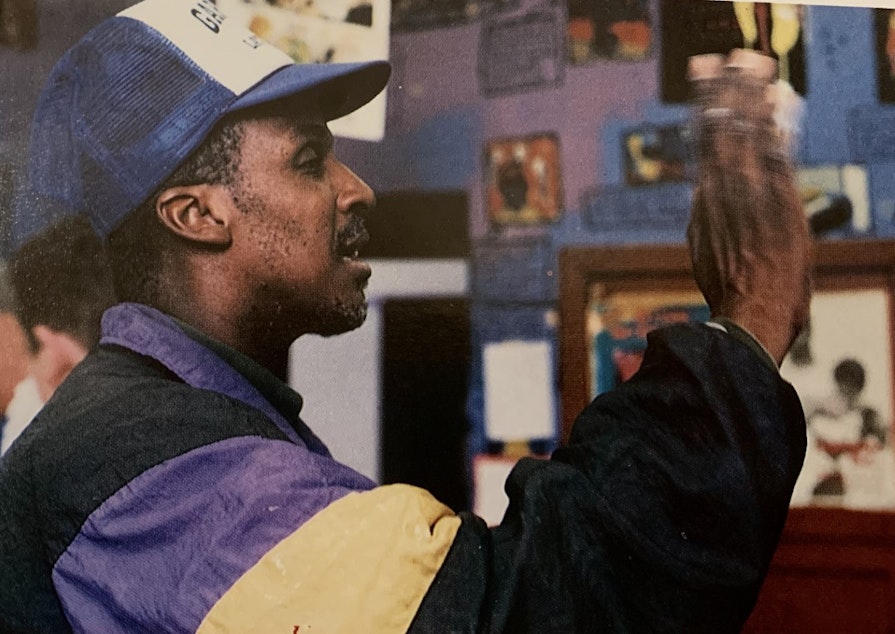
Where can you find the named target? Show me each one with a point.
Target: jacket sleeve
(661, 514)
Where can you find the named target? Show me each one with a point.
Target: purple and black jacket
(170, 486)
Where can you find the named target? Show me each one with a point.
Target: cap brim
(342, 88)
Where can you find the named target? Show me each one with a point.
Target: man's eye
(310, 160)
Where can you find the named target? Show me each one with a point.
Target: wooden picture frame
(834, 569)
(838, 266)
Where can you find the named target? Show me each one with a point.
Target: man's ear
(198, 213)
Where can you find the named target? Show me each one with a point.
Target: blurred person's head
(14, 353)
(63, 284)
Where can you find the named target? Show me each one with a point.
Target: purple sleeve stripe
(160, 552)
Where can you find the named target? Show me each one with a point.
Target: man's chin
(341, 320)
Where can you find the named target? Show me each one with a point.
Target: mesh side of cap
(120, 112)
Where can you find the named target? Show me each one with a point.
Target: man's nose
(354, 195)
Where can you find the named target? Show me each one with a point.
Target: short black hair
(138, 248)
(62, 280)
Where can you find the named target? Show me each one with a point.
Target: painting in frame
(841, 367)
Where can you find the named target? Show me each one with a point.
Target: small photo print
(416, 15)
(885, 53)
(841, 369)
(694, 27)
(608, 29)
(656, 154)
(523, 185)
(617, 325)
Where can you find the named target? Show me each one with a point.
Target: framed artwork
(842, 365)
(522, 180)
(323, 31)
(655, 154)
(19, 24)
(417, 15)
(884, 27)
(842, 370)
(521, 53)
(608, 29)
(836, 198)
(693, 27)
(617, 323)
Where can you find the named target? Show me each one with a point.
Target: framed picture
(836, 198)
(655, 154)
(19, 24)
(693, 27)
(522, 180)
(884, 27)
(417, 15)
(618, 320)
(608, 29)
(842, 365)
(521, 53)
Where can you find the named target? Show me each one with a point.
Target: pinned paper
(321, 32)
(489, 475)
(519, 396)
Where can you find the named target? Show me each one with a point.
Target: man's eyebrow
(314, 132)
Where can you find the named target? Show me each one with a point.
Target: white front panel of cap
(227, 51)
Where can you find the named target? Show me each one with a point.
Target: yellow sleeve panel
(363, 564)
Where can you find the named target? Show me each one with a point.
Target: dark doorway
(426, 359)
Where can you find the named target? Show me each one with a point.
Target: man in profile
(171, 486)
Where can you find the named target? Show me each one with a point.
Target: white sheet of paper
(519, 398)
(489, 475)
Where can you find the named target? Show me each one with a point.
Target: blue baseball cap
(139, 93)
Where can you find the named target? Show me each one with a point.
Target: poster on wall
(655, 154)
(521, 53)
(836, 198)
(523, 184)
(694, 27)
(617, 325)
(415, 15)
(18, 24)
(842, 371)
(884, 26)
(322, 31)
(608, 29)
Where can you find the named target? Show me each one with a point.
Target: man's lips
(352, 238)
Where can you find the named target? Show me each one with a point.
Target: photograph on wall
(324, 31)
(521, 53)
(618, 322)
(655, 154)
(416, 15)
(842, 371)
(608, 29)
(523, 185)
(836, 199)
(694, 27)
(19, 28)
(884, 25)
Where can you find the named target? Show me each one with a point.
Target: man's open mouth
(352, 239)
